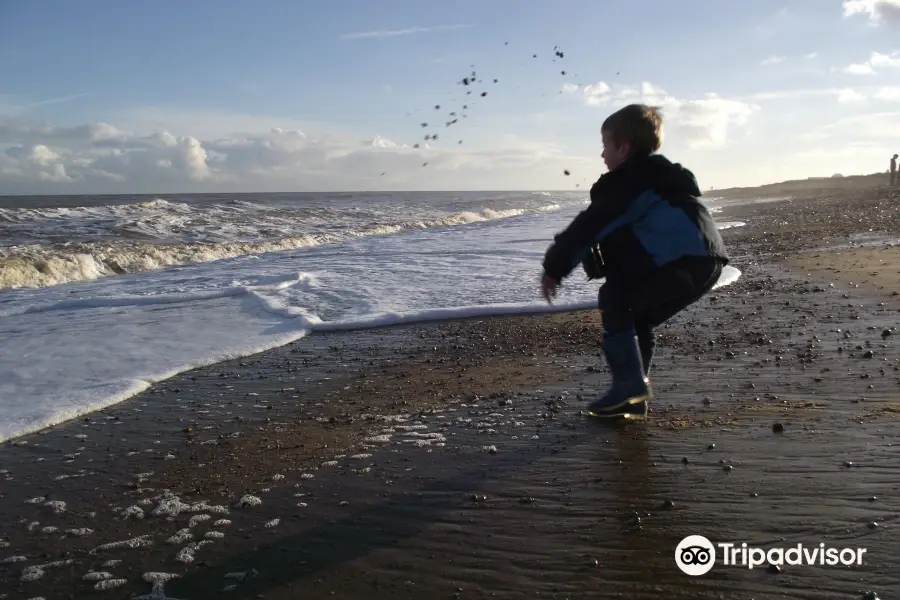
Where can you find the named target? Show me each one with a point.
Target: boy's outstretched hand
(548, 287)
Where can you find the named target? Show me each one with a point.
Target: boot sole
(634, 408)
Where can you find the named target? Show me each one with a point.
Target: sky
(233, 96)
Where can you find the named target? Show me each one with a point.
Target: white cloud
(891, 93)
(812, 55)
(703, 123)
(848, 95)
(885, 60)
(853, 144)
(595, 94)
(772, 60)
(847, 159)
(12, 129)
(818, 153)
(877, 60)
(42, 155)
(11, 104)
(380, 142)
(792, 94)
(878, 11)
(202, 124)
(861, 128)
(843, 95)
(395, 32)
(859, 69)
(37, 157)
(98, 152)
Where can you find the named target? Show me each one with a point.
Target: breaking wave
(173, 234)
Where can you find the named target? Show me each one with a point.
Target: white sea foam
(58, 245)
(72, 349)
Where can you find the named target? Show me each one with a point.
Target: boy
(893, 169)
(660, 249)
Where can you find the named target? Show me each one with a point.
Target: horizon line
(707, 192)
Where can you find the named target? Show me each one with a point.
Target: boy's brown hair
(639, 125)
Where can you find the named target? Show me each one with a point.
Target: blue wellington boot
(630, 389)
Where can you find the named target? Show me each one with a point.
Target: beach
(453, 460)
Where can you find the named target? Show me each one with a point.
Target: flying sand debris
(470, 80)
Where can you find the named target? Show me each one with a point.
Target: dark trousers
(657, 299)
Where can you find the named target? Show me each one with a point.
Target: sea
(100, 297)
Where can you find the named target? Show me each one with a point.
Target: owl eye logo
(695, 555)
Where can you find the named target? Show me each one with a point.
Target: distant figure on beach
(649, 235)
(893, 169)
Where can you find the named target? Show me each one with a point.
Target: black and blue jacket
(643, 215)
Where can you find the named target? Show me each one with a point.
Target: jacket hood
(666, 177)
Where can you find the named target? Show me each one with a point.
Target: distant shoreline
(807, 186)
(795, 185)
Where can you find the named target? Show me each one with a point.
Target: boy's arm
(571, 245)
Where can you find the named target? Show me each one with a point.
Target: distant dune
(811, 185)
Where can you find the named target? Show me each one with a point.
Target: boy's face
(613, 154)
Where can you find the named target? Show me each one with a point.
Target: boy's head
(634, 130)
(895, 157)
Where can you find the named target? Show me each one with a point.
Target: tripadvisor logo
(695, 555)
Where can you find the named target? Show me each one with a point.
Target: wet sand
(874, 270)
(451, 460)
